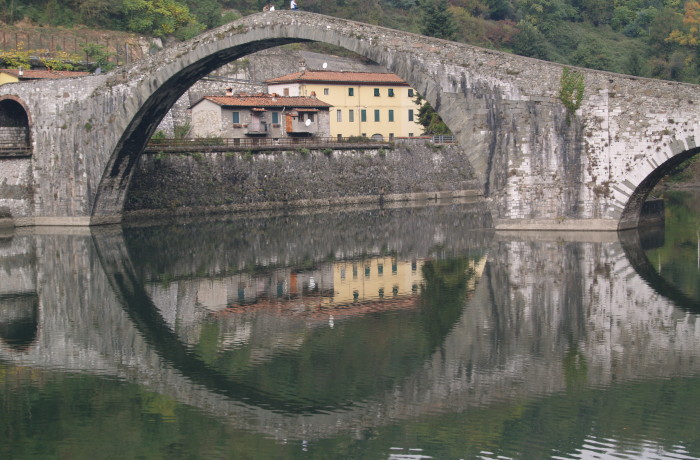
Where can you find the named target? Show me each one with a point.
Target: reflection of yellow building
(375, 105)
(329, 285)
(381, 277)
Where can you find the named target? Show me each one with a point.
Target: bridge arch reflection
(343, 325)
(548, 315)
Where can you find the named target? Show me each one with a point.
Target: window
(275, 118)
(391, 92)
(326, 91)
(286, 91)
(339, 115)
(376, 92)
(376, 115)
(410, 114)
(236, 117)
(380, 269)
(410, 134)
(410, 92)
(310, 116)
(351, 116)
(367, 271)
(351, 91)
(391, 115)
(363, 115)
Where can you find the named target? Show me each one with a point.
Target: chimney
(302, 65)
(229, 91)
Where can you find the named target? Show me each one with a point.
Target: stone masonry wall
(16, 194)
(191, 183)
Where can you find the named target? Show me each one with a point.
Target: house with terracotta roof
(260, 116)
(371, 104)
(15, 75)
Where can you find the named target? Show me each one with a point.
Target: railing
(163, 145)
(439, 139)
(443, 139)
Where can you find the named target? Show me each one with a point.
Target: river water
(404, 333)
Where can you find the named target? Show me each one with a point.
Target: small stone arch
(15, 122)
(632, 212)
(19, 322)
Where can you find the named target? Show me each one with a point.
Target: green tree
(437, 20)
(429, 119)
(156, 17)
(571, 91)
(544, 15)
(99, 55)
(530, 41)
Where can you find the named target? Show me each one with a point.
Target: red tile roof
(266, 100)
(327, 76)
(39, 74)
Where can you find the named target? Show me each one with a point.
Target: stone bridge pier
(538, 167)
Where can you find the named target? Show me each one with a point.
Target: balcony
(257, 130)
(300, 128)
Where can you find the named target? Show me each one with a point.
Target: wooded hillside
(654, 38)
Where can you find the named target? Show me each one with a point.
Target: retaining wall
(238, 181)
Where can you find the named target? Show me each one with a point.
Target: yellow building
(374, 105)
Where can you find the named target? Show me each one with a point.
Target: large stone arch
(161, 80)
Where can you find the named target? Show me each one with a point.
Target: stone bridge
(538, 167)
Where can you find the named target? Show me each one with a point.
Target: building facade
(260, 116)
(375, 105)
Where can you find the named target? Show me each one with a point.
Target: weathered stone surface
(87, 134)
(242, 180)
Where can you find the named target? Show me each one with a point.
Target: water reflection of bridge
(615, 322)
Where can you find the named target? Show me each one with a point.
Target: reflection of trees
(673, 268)
(357, 359)
(443, 295)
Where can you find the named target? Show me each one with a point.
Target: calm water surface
(381, 334)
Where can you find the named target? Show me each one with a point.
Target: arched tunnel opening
(14, 129)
